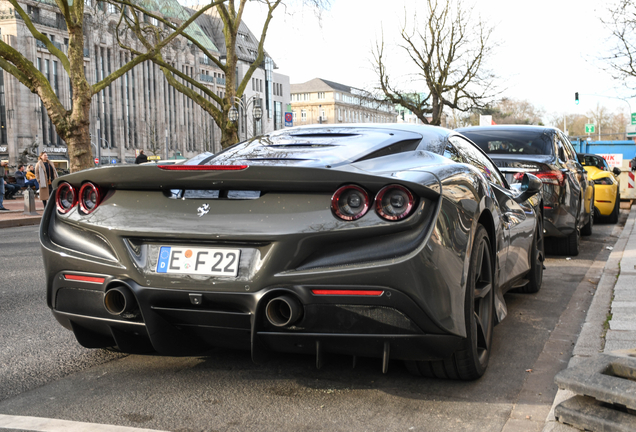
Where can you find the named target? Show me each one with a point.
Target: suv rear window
(512, 141)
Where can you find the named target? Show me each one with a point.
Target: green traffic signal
(576, 98)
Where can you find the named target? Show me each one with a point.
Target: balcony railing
(206, 78)
(205, 61)
(40, 44)
(220, 81)
(45, 21)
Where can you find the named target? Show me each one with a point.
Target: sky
(546, 50)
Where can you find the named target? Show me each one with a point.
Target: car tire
(587, 229)
(470, 361)
(537, 256)
(613, 217)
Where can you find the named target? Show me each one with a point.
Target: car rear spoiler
(264, 178)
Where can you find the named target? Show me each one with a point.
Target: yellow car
(607, 195)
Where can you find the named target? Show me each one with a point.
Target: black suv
(548, 154)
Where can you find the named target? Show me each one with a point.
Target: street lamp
(257, 112)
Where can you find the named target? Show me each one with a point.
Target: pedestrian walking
(142, 158)
(45, 173)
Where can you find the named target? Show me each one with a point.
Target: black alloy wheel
(537, 257)
(588, 228)
(613, 217)
(471, 361)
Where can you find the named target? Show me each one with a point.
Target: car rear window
(512, 141)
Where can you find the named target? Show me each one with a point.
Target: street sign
(96, 161)
(589, 128)
(113, 161)
(634, 118)
(631, 130)
(289, 119)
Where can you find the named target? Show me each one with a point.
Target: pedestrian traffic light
(576, 98)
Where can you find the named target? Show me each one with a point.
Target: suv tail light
(89, 198)
(65, 198)
(350, 202)
(555, 177)
(394, 202)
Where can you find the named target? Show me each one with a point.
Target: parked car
(548, 154)
(607, 191)
(389, 241)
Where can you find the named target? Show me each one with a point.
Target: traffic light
(576, 98)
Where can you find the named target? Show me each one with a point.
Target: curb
(591, 338)
(25, 221)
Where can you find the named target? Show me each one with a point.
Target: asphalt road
(45, 373)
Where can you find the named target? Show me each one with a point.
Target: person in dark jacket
(21, 181)
(141, 158)
(9, 188)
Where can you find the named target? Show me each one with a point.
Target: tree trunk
(229, 135)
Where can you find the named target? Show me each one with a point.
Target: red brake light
(348, 292)
(394, 202)
(84, 278)
(65, 198)
(202, 167)
(350, 202)
(551, 177)
(89, 198)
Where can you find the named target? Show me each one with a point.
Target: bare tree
(216, 106)
(622, 24)
(72, 125)
(449, 51)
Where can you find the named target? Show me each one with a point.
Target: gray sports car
(390, 241)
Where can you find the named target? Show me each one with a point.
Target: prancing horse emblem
(203, 210)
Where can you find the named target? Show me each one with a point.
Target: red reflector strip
(202, 167)
(349, 292)
(84, 278)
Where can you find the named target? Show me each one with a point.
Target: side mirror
(616, 171)
(530, 186)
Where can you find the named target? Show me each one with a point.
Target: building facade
(138, 111)
(321, 101)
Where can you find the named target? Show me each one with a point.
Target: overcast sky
(548, 49)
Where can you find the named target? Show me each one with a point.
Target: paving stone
(604, 377)
(619, 345)
(623, 324)
(624, 335)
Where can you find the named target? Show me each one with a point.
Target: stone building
(139, 110)
(322, 101)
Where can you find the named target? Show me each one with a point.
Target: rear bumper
(170, 323)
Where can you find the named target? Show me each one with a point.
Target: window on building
(321, 95)
(303, 115)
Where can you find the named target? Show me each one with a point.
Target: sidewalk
(610, 323)
(16, 217)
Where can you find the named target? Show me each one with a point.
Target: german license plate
(198, 261)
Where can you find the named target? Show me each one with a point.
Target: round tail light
(65, 198)
(350, 202)
(89, 197)
(394, 202)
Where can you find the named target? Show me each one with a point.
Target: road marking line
(40, 424)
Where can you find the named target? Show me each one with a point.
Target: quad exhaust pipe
(283, 311)
(120, 301)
